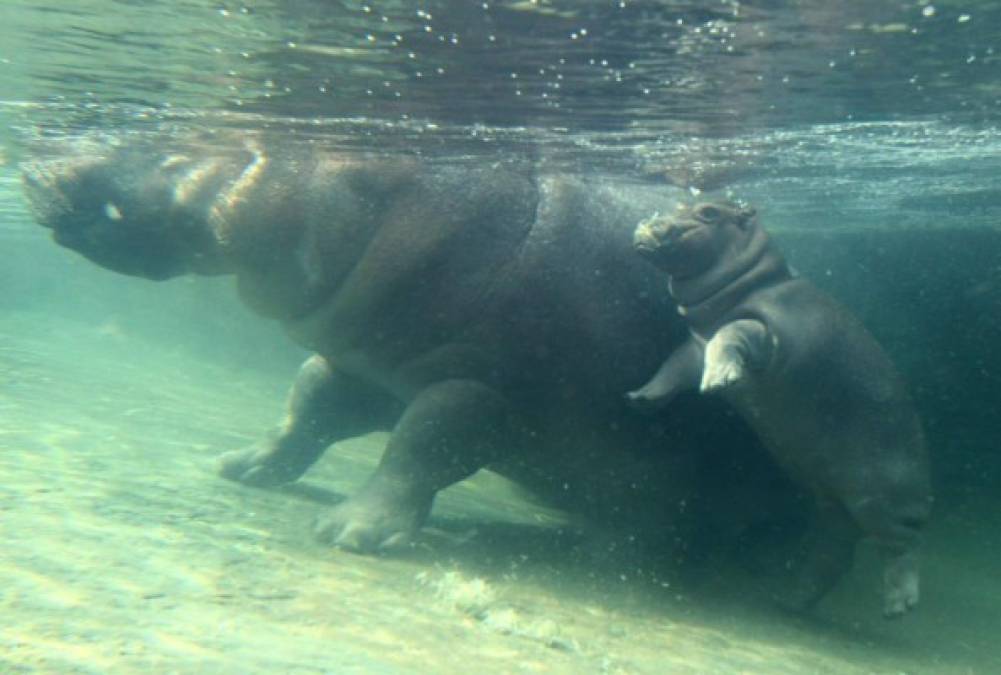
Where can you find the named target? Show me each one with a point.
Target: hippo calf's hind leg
(896, 531)
(830, 554)
(449, 431)
(901, 582)
(894, 525)
(324, 406)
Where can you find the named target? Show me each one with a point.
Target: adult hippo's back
(489, 315)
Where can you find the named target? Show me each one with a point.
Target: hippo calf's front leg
(737, 346)
(679, 372)
(449, 431)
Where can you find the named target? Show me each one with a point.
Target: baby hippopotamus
(810, 380)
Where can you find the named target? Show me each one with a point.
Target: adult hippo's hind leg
(324, 406)
(450, 430)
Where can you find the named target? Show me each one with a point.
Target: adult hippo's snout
(106, 216)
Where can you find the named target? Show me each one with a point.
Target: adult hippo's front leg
(450, 430)
(324, 406)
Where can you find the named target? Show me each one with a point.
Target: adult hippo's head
(695, 238)
(134, 211)
(291, 223)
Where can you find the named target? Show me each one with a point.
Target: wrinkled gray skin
(488, 316)
(808, 378)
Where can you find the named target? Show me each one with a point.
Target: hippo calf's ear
(708, 213)
(745, 216)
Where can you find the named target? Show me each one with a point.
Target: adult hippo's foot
(324, 405)
(381, 516)
(450, 430)
(267, 463)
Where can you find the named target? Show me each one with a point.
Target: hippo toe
(264, 464)
(378, 518)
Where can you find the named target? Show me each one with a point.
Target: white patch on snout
(112, 212)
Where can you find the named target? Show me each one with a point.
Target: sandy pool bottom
(121, 552)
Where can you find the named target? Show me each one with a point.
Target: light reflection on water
(791, 103)
(694, 68)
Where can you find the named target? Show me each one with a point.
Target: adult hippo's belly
(488, 315)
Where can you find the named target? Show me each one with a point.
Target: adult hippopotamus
(488, 314)
(807, 376)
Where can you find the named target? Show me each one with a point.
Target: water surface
(841, 121)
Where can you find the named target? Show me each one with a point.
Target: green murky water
(123, 552)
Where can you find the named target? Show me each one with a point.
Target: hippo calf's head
(695, 238)
(134, 212)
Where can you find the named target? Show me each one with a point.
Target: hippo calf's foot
(736, 348)
(799, 597)
(826, 558)
(901, 585)
(382, 516)
(646, 399)
(720, 373)
(901, 590)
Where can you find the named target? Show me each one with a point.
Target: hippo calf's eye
(709, 214)
(112, 211)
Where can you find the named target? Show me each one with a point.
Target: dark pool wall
(933, 299)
